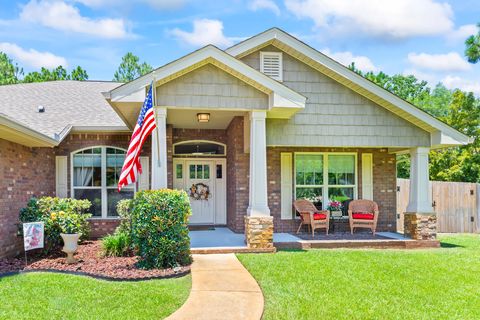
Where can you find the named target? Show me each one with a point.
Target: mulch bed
(320, 235)
(90, 262)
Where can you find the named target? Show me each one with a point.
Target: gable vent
(271, 64)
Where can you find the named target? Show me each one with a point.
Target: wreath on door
(199, 191)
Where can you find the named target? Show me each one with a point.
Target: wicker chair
(309, 215)
(363, 214)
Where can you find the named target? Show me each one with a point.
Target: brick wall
(384, 184)
(24, 172)
(238, 170)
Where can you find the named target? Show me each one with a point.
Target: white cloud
(205, 31)
(447, 62)
(461, 33)
(32, 57)
(394, 20)
(156, 4)
(256, 5)
(62, 16)
(346, 58)
(455, 82)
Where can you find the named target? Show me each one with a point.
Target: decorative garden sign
(33, 235)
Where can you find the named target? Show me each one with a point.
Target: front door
(200, 184)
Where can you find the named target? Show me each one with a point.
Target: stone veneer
(420, 226)
(259, 232)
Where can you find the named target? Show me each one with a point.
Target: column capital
(160, 111)
(258, 115)
(420, 150)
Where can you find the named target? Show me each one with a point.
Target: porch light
(203, 117)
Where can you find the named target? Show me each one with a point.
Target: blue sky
(420, 37)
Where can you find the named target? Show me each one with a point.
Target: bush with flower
(334, 206)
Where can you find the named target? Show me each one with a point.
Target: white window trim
(103, 186)
(203, 155)
(325, 186)
(280, 62)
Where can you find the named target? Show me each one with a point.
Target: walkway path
(221, 289)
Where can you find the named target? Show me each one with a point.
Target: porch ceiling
(187, 119)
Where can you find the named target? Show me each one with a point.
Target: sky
(420, 37)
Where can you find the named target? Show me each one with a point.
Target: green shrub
(60, 215)
(117, 245)
(124, 212)
(159, 228)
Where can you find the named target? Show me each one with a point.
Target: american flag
(143, 128)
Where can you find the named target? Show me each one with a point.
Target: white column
(159, 150)
(420, 198)
(258, 203)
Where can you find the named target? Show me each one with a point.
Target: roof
(284, 101)
(69, 105)
(442, 134)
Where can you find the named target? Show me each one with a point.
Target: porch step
(214, 250)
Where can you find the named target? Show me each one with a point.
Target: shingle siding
(334, 115)
(210, 87)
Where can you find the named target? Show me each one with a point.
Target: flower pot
(70, 246)
(336, 214)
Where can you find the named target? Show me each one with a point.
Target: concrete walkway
(221, 289)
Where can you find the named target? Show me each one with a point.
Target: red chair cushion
(319, 216)
(363, 216)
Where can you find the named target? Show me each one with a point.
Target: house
(248, 129)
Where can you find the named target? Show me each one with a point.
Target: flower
(335, 206)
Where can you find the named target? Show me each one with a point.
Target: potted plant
(71, 227)
(335, 208)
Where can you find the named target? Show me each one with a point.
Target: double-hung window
(95, 174)
(325, 177)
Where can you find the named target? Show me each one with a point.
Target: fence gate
(455, 204)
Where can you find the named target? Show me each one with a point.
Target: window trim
(200, 155)
(280, 63)
(325, 185)
(103, 188)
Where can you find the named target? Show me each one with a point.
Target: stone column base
(259, 232)
(420, 226)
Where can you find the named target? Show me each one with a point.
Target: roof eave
(31, 137)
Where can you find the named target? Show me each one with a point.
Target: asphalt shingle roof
(67, 103)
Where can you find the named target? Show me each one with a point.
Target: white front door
(201, 188)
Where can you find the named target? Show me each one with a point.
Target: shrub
(117, 245)
(124, 212)
(159, 228)
(60, 215)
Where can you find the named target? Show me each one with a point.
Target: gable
(334, 115)
(210, 87)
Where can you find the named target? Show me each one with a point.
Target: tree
(58, 73)
(130, 68)
(9, 72)
(472, 47)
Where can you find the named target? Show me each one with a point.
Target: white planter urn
(70, 246)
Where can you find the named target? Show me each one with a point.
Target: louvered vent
(271, 64)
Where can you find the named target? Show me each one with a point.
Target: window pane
(87, 169)
(199, 171)
(312, 194)
(95, 197)
(192, 171)
(113, 196)
(115, 159)
(179, 171)
(219, 171)
(340, 194)
(199, 148)
(341, 169)
(309, 169)
(206, 171)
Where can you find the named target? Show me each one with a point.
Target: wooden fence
(457, 205)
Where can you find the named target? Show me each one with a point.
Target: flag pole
(154, 98)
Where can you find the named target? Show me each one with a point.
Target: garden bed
(91, 262)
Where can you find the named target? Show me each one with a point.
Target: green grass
(60, 296)
(372, 284)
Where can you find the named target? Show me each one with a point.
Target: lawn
(60, 296)
(372, 284)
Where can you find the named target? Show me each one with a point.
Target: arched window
(95, 173)
(199, 148)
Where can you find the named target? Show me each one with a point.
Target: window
(199, 171)
(95, 174)
(319, 174)
(198, 148)
(271, 64)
